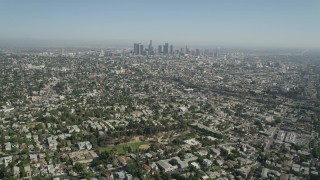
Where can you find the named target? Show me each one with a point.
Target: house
(183, 109)
(82, 156)
(216, 152)
(221, 114)
(7, 146)
(166, 166)
(296, 167)
(213, 175)
(42, 155)
(280, 136)
(27, 170)
(7, 160)
(190, 157)
(15, 146)
(219, 162)
(266, 172)
(28, 136)
(305, 170)
(39, 146)
(148, 155)
(31, 147)
(121, 175)
(227, 149)
(290, 137)
(195, 165)
(207, 162)
(230, 164)
(52, 142)
(129, 177)
(84, 145)
(284, 177)
(122, 160)
(16, 172)
(182, 164)
(136, 113)
(154, 166)
(50, 169)
(73, 128)
(211, 138)
(203, 152)
(192, 142)
(33, 158)
(243, 161)
(35, 138)
(244, 171)
(160, 151)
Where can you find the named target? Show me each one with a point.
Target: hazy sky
(291, 23)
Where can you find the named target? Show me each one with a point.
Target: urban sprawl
(159, 113)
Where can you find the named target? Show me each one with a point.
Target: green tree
(79, 167)
(316, 152)
(39, 126)
(174, 162)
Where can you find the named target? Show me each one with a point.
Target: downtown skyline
(206, 23)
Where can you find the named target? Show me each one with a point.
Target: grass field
(120, 147)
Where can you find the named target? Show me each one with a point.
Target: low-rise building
(166, 166)
(82, 156)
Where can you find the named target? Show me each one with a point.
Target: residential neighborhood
(111, 114)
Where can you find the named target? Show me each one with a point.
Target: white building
(290, 137)
(84, 145)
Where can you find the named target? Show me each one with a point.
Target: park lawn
(119, 148)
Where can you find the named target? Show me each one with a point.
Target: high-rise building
(101, 53)
(197, 52)
(187, 50)
(166, 48)
(150, 48)
(171, 49)
(141, 50)
(159, 49)
(136, 48)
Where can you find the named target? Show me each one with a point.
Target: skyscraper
(166, 49)
(141, 50)
(159, 49)
(197, 52)
(171, 49)
(187, 50)
(150, 48)
(101, 53)
(136, 47)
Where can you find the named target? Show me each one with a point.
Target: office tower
(187, 50)
(216, 53)
(171, 49)
(166, 49)
(150, 48)
(197, 52)
(206, 52)
(159, 49)
(136, 47)
(141, 50)
(101, 53)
